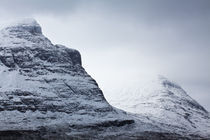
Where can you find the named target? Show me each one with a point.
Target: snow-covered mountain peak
(167, 83)
(165, 102)
(28, 24)
(25, 32)
(177, 93)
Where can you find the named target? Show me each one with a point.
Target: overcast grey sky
(122, 41)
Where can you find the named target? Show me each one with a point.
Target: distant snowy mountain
(165, 104)
(45, 93)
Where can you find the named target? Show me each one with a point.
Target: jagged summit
(25, 32)
(25, 21)
(26, 24)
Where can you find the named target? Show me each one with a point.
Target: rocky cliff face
(45, 86)
(45, 93)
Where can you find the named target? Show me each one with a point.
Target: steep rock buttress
(45, 85)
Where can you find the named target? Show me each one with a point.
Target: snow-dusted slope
(45, 85)
(166, 105)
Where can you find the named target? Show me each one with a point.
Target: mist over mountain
(164, 102)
